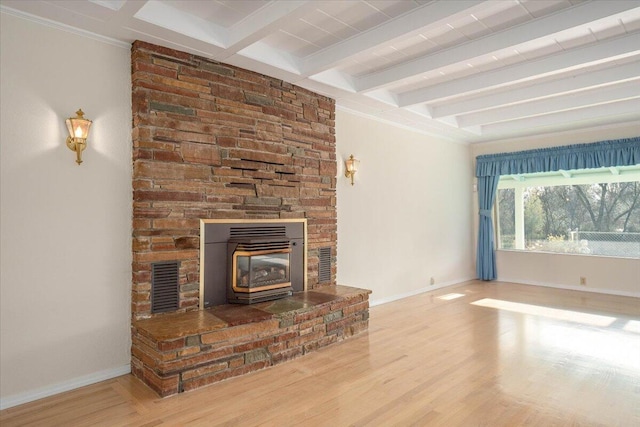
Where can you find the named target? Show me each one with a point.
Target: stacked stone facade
(215, 141)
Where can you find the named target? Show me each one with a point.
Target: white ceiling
(469, 71)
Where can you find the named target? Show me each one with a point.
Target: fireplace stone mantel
(177, 352)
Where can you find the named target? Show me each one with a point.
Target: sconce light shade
(351, 167)
(78, 128)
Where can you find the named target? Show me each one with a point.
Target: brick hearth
(178, 352)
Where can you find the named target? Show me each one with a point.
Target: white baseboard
(574, 288)
(31, 395)
(374, 302)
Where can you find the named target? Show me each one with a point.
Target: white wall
(65, 265)
(619, 276)
(408, 217)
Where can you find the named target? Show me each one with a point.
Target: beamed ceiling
(469, 71)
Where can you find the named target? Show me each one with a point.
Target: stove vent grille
(165, 292)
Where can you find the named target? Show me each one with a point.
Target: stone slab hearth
(178, 352)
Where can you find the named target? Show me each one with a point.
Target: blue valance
(619, 152)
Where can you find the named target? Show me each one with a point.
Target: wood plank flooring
(476, 354)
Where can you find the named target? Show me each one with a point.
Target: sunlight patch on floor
(540, 334)
(616, 348)
(632, 326)
(548, 312)
(449, 297)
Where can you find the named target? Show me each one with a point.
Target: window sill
(566, 253)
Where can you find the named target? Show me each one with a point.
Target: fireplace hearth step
(177, 352)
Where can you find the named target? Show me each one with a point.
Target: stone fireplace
(211, 143)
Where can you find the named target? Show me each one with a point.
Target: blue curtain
(486, 262)
(620, 152)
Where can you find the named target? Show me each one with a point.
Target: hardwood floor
(476, 354)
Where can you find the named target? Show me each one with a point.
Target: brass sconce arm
(78, 145)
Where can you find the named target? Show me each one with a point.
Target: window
(587, 211)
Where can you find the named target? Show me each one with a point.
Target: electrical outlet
(583, 281)
(432, 281)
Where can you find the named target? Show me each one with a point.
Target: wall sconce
(351, 167)
(78, 131)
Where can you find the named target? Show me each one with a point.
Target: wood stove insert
(251, 261)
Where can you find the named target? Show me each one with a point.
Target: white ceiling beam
(125, 14)
(324, 89)
(151, 33)
(110, 4)
(170, 18)
(420, 109)
(582, 14)
(406, 24)
(122, 22)
(628, 109)
(425, 111)
(610, 50)
(412, 118)
(552, 104)
(262, 52)
(355, 104)
(572, 83)
(336, 79)
(264, 21)
(384, 95)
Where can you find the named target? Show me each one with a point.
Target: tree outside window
(601, 217)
